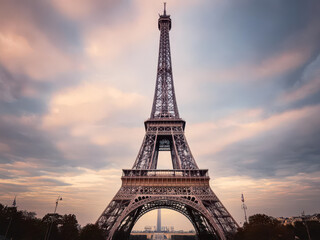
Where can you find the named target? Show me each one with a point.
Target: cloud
(13, 188)
(273, 66)
(308, 85)
(21, 134)
(87, 187)
(92, 120)
(35, 58)
(26, 45)
(105, 43)
(89, 103)
(267, 195)
(242, 125)
(14, 86)
(83, 10)
(259, 145)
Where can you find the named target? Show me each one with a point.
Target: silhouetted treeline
(177, 237)
(264, 227)
(138, 237)
(26, 226)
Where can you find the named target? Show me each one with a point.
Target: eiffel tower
(185, 188)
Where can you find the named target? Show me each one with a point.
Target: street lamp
(13, 205)
(244, 207)
(305, 223)
(47, 237)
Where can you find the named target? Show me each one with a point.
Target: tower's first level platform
(155, 177)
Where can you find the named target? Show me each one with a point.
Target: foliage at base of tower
(23, 225)
(91, 232)
(264, 227)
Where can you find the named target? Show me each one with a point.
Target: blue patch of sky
(228, 34)
(23, 106)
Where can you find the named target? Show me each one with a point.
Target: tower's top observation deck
(164, 18)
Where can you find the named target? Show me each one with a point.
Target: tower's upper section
(164, 102)
(164, 18)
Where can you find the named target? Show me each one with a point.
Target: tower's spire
(164, 9)
(164, 102)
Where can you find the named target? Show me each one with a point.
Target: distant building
(148, 229)
(164, 229)
(177, 237)
(293, 220)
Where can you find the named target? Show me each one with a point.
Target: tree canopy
(263, 227)
(25, 225)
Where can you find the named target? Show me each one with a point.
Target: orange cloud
(265, 195)
(88, 187)
(87, 104)
(88, 115)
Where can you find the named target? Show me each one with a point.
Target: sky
(77, 81)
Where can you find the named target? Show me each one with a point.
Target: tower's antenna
(244, 207)
(164, 10)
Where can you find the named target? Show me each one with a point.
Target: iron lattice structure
(185, 188)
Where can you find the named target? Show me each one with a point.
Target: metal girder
(198, 203)
(164, 102)
(173, 135)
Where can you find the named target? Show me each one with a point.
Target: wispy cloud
(307, 86)
(243, 125)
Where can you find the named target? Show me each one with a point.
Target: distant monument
(159, 221)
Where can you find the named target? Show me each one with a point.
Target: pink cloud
(275, 65)
(82, 9)
(26, 48)
(304, 91)
(267, 195)
(4, 147)
(34, 57)
(308, 85)
(89, 103)
(212, 137)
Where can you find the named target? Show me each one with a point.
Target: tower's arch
(189, 207)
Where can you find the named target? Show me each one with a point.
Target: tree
(24, 225)
(69, 229)
(52, 222)
(263, 227)
(300, 230)
(91, 232)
